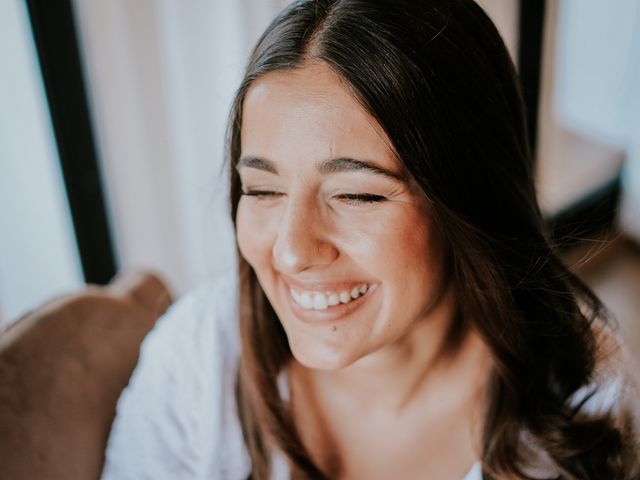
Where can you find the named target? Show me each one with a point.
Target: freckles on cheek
(385, 235)
(417, 232)
(407, 239)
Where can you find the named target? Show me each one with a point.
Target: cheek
(252, 236)
(411, 261)
(399, 241)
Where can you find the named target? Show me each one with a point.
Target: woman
(401, 314)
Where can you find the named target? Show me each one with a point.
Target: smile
(310, 300)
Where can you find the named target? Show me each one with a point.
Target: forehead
(308, 113)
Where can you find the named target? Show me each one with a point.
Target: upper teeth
(322, 300)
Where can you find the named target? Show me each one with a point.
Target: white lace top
(177, 418)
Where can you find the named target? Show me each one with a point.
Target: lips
(323, 301)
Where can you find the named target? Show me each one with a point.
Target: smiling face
(338, 234)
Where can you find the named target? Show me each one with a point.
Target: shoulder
(196, 334)
(176, 418)
(202, 315)
(612, 391)
(614, 382)
(617, 384)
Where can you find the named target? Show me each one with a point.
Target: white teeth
(333, 299)
(306, 301)
(322, 301)
(319, 301)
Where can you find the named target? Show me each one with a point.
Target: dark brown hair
(438, 79)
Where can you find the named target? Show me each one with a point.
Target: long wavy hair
(437, 77)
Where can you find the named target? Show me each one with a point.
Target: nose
(302, 242)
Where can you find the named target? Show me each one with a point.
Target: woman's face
(339, 236)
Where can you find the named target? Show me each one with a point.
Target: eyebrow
(257, 163)
(335, 165)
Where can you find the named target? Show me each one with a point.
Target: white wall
(161, 75)
(589, 102)
(598, 86)
(38, 258)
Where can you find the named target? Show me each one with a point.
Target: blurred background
(112, 126)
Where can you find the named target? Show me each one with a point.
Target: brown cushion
(62, 369)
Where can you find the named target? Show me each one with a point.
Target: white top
(177, 418)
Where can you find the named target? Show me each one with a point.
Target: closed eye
(261, 193)
(360, 198)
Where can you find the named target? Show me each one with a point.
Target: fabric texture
(177, 418)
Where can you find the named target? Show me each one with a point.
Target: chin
(322, 357)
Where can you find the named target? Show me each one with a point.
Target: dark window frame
(54, 33)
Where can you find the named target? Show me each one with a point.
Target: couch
(62, 369)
